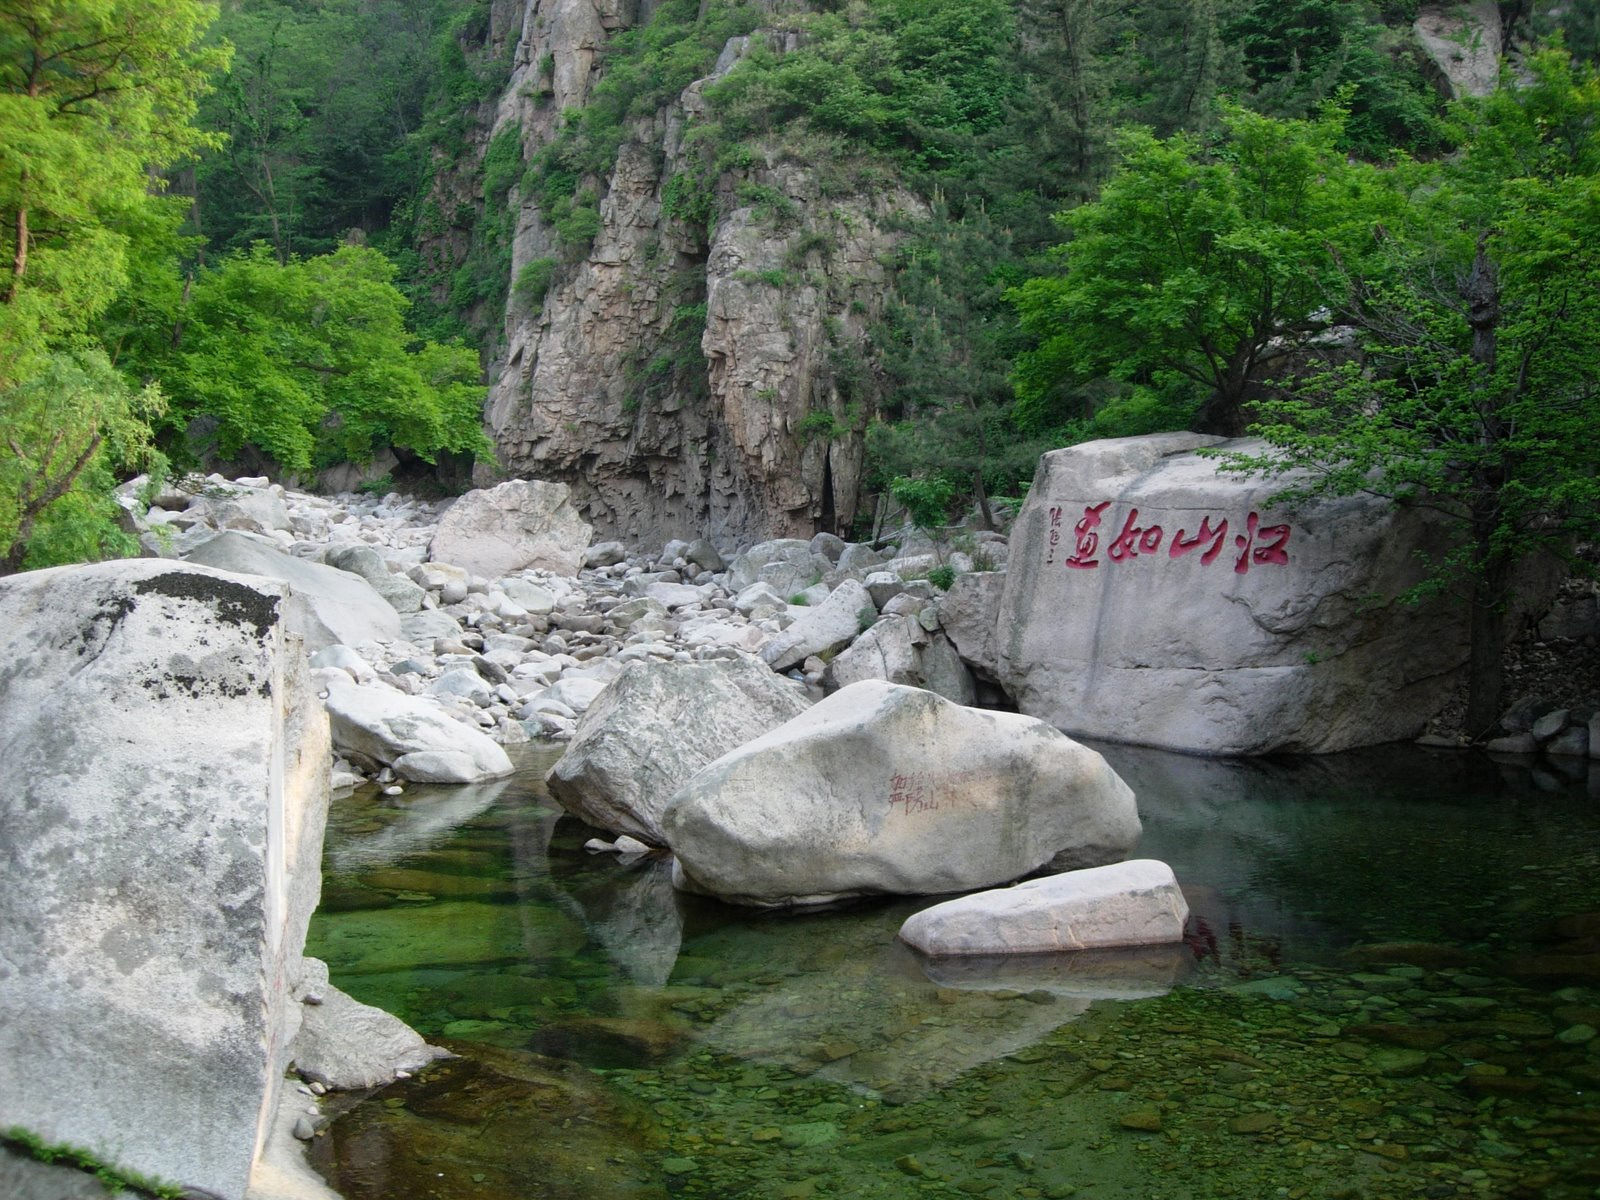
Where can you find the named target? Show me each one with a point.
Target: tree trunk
(1491, 565)
(1491, 586)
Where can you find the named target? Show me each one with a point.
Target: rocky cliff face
(684, 378)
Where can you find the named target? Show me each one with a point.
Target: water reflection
(1375, 995)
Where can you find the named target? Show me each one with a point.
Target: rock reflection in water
(1135, 973)
(630, 910)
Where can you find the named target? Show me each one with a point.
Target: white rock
(517, 524)
(835, 622)
(1135, 903)
(576, 692)
(337, 606)
(410, 734)
(344, 659)
(165, 796)
(674, 595)
(402, 594)
(344, 1044)
(881, 788)
(530, 596)
(653, 728)
(1182, 633)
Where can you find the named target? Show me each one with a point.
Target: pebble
(304, 1130)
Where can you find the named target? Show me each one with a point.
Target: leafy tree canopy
(310, 362)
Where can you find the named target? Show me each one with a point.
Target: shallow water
(1389, 991)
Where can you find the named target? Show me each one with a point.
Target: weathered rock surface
(1464, 41)
(409, 734)
(881, 788)
(345, 1044)
(654, 727)
(744, 325)
(517, 524)
(899, 649)
(403, 595)
(336, 606)
(1134, 903)
(160, 875)
(834, 623)
(1150, 599)
(969, 613)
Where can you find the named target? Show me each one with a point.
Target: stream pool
(1391, 989)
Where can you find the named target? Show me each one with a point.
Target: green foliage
(686, 198)
(502, 164)
(94, 95)
(1479, 387)
(942, 576)
(926, 498)
(311, 363)
(66, 430)
(1205, 261)
(111, 1177)
(534, 280)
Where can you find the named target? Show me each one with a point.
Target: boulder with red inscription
(1151, 598)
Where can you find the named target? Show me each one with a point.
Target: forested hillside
(740, 266)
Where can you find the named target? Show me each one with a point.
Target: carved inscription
(1254, 544)
(916, 792)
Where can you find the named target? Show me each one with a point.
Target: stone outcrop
(1135, 903)
(166, 789)
(335, 606)
(900, 649)
(516, 525)
(654, 727)
(1151, 599)
(407, 733)
(834, 623)
(1465, 43)
(888, 789)
(665, 374)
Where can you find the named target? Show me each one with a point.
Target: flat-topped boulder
(335, 606)
(514, 525)
(1134, 903)
(1153, 599)
(166, 790)
(654, 727)
(409, 733)
(888, 789)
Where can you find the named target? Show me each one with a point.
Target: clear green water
(1391, 991)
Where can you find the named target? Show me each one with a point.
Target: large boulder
(408, 733)
(1151, 599)
(358, 559)
(889, 789)
(517, 524)
(969, 613)
(833, 624)
(900, 649)
(166, 790)
(1135, 903)
(653, 727)
(336, 606)
(787, 565)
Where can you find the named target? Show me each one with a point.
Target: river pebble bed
(1391, 988)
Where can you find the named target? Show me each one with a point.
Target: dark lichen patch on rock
(235, 603)
(102, 623)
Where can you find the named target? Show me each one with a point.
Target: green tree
(94, 95)
(66, 429)
(1479, 392)
(310, 362)
(1211, 262)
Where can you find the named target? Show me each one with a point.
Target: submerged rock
(1135, 903)
(167, 766)
(653, 727)
(498, 1125)
(882, 788)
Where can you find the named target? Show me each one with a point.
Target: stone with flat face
(1134, 903)
(1152, 599)
(653, 727)
(888, 789)
(165, 793)
(517, 524)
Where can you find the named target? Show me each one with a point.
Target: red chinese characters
(1258, 545)
(1088, 541)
